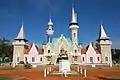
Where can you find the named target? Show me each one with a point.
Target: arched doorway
(62, 55)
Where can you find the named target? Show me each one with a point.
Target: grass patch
(10, 68)
(54, 74)
(62, 75)
(21, 68)
(11, 78)
(114, 77)
(110, 78)
(103, 68)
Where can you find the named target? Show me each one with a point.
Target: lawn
(11, 78)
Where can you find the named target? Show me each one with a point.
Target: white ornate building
(63, 48)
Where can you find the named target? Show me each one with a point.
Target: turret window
(74, 34)
(18, 59)
(19, 40)
(106, 58)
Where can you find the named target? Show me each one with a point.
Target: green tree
(5, 49)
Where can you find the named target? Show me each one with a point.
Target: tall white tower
(104, 45)
(19, 45)
(50, 31)
(73, 26)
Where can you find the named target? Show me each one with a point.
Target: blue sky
(35, 14)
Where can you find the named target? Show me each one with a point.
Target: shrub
(6, 60)
(27, 66)
(21, 62)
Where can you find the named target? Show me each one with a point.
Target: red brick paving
(38, 75)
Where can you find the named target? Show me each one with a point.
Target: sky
(36, 13)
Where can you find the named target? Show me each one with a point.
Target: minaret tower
(49, 31)
(73, 26)
(104, 45)
(19, 45)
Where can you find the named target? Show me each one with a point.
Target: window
(48, 51)
(75, 51)
(19, 40)
(74, 34)
(91, 59)
(26, 59)
(33, 59)
(40, 58)
(61, 51)
(83, 58)
(48, 58)
(106, 58)
(98, 58)
(75, 58)
(18, 58)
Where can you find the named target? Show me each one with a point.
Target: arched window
(40, 58)
(33, 59)
(61, 51)
(98, 58)
(18, 58)
(26, 59)
(91, 59)
(106, 58)
(74, 34)
(75, 51)
(83, 58)
(48, 51)
(75, 58)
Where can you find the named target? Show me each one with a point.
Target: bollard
(85, 73)
(65, 73)
(48, 70)
(78, 69)
(81, 70)
(110, 64)
(45, 72)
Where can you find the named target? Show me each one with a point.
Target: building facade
(63, 47)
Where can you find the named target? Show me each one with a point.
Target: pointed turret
(104, 46)
(19, 45)
(50, 31)
(102, 34)
(74, 17)
(73, 26)
(74, 20)
(50, 23)
(21, 34)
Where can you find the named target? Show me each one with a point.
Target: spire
(74, 16)
(21, 34)
(50, 22)
(102, 34)
(74, 23)
(49, 31)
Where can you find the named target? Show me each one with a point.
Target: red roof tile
(40, 51)
(26, 51)
(83, 51)
(97, 51)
